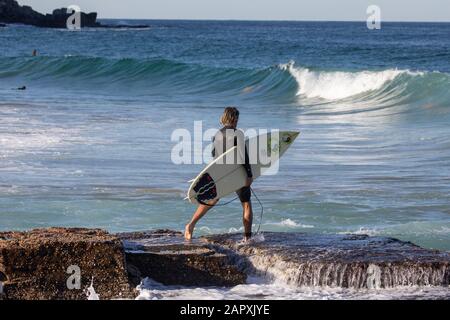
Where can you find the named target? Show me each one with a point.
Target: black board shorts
(244, 194)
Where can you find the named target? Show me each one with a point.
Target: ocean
(88, 143)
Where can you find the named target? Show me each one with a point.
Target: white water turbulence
(337, 85)
(276, 273)
(280, 270)
(260, 289)
(290, 224)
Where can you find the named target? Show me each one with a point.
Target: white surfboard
(226, 174)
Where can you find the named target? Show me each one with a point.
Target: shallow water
(88, 143)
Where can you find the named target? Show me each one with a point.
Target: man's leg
(247, 219)
(199, 213)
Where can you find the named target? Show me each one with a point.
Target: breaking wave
(280, 83)
(336, 85)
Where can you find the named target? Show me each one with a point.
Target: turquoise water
(89, 142)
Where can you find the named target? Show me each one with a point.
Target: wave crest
(338, 85)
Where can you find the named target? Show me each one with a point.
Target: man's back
(227, 138)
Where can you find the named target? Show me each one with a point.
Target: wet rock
(351, 261)
(34, 264)
(164, 256)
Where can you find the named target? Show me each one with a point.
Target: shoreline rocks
(45, 263)
(164, 256)
(347, 261)
(61, 263)
(12, 12)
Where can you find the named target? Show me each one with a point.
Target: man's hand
(249, 182)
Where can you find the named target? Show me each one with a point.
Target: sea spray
(90, 292)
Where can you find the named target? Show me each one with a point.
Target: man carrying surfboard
(228, 137)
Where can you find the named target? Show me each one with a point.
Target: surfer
(225, 139)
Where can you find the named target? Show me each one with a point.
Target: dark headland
(13, 13)
(39, 264)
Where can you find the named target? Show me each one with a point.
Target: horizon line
(273, 20)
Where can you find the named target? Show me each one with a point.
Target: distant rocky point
(12, 12)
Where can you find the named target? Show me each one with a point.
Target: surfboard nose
(293, 135)
(289, 136)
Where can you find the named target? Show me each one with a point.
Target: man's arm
(247, 166)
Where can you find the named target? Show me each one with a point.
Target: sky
(335, 10)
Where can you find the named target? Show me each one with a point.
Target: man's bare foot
(188, 230)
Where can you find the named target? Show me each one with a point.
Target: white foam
(413, 228)
(24, 133)
(363, 231)
(257, 238)
(28, 141)
(90, 292)
(290, 224)
(259, 289)
(338, 85)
